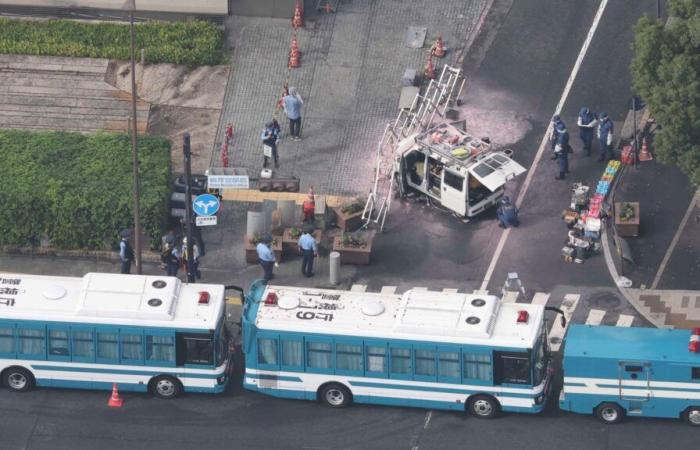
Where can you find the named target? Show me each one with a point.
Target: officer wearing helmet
(266, 256)
(562, 150)
(586, 124)
(507, 213)
(605, 136)
(195, 259)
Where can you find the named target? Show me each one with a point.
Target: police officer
(561, 150)
(270, 138)
(605, 136)
(126, 254)
(554, 134)
(308, 249)
(171, 258)
(507, 213)
(195, 254)
(586, 124)
(266, 257)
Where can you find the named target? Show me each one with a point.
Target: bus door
(634, 384)
(453, 195)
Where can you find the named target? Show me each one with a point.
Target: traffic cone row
(294, 54)
(114, 400)
(438, 48)
(328, 8)
(298, 19)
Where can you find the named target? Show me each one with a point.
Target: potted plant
(349, 215)
(290, 240)
(251, 255)
(354, 248)
(627, 218)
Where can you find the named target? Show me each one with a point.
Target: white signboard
(229, 182)
(203, 221)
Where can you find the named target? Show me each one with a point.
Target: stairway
(68, 94)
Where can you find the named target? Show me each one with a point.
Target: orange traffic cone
(328, 8)
(294, 54)
(298, 19)
(644, 153)
(429, 71)
(115, 401)
(438, 49)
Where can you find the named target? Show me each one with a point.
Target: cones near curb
(294, 54)
(429, 71)
(115, 401)
(644, 153)
(438, 48)
(298, 18)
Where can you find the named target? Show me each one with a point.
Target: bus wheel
(18, 379)
(483, 406)
(692, 416)
(610, 413)
(335, 395)
(165, 387)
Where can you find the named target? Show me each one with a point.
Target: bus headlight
(221, 380)
(539, 399)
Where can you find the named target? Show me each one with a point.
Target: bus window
(58, 343)
(448, 365)
(292, 353)
(132, 348)
(7, 340)
(107, 347)
(376, 359)
(695, 373)
(267, 351)
(319, 355)
(160, 349)
(83, 345)
(32, 342)
(348, 357)
(401, 361)
(194, 349)
(477, 366)
(512, 368)
(425, 363)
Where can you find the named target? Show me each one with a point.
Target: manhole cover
(603, 300)
(415, 36)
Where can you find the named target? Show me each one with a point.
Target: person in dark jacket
(605, 136)
(562, 150)
(554, 133)
(587, 123)
(126, 254)
(270, 137)
(507, 213)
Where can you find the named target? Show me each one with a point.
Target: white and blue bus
(420, 349)
(615, 372)
(145, 333)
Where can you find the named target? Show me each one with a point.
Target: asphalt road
(527, 63)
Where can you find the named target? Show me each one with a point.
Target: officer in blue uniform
(126, 254)
(586, 124)
(605, 136)
(554, 135)
(562, 149)
(307, 246)
(507, 213)
(266, 257)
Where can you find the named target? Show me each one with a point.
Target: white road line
(624, 321)
(510, 296)
(450, 290)
(556, 334)
(420, 289)
(540, 298)
(388, 290)
(427, 419)
(358, 288)
(595, 317)
(543, 144)
(676, 237)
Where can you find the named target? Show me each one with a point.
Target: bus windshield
(541, 359)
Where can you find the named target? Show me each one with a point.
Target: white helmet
(184, 240)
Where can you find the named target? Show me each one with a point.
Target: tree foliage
(193, 43)
(666, 73)
(76, 189)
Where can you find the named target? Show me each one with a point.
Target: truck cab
(459, 171)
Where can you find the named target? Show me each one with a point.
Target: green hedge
(77, 189)
(192, 43)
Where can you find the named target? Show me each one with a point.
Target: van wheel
(692, 416)
(610, 413)
(166, 387)
(18, 379)
(335, 395)
(484, 406)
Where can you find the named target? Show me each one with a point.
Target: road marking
(450, 290)
(540, 298)
(358, 288)
(556, 334)
(624, 321)
(595, 317)
(510, 296)
(420, 289)
(676, 237)
(427, 420)
(543, 144)
(233, 301)
(388, 290)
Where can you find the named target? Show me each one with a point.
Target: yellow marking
(253, 195)
(233, 301)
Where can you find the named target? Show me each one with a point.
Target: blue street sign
(205, 205)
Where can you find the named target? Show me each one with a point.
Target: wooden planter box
(251, 255)
(627, 228)
(347, 222)
(353, 255)
(290, 245)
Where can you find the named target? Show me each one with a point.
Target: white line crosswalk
(568, 306)
(358, 288)
(595, 317)
(624, 321)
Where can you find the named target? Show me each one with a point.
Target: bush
(76, 189)
(192, 43)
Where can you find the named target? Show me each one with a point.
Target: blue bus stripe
(123, 371)
(437, 389)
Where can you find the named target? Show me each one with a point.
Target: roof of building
(621, 343)
(453, 318)
(103, 298)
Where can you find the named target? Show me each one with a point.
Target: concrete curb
(148, 256)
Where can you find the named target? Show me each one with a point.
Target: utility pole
(134, 146)
(188, 206)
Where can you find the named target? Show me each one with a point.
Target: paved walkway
(351, 67)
